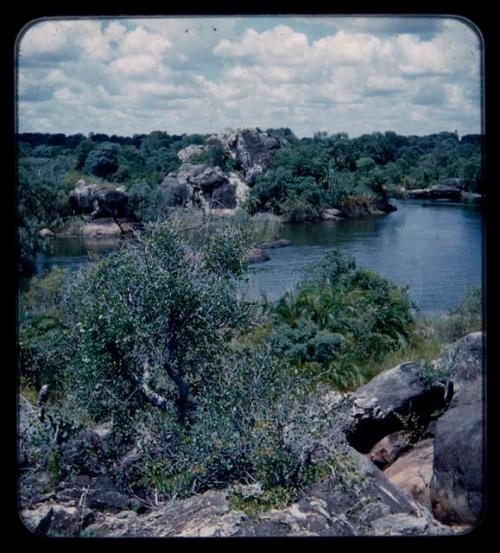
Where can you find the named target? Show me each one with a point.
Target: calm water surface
(434, 247)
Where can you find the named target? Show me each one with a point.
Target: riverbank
(424, 244)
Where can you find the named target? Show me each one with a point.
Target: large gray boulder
(224, 197)
(98, 200)
(457, 486)
(202, 176)
(177, 193)
(462, 361)
(190, 152)
(379, 407)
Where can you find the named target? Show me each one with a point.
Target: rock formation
(448, 189)
(432, 482)
(197, 184)
(99, 201)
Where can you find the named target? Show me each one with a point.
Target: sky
(411, 75)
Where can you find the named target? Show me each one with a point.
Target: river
(433, 247)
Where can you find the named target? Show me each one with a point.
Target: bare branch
(153, 397)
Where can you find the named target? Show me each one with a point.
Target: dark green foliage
(42, 200)
(102, 161)
(147, 345)
(82, 151)
(341, 318)
(237, 435)
(342, 170)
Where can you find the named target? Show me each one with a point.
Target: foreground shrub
(151, 320)
(238, 435)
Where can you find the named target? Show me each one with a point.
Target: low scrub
(340, 321)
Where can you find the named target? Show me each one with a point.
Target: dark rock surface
(99, 201)
(378, 407)
(464, 359)
(253, 149)
(448, 189)
(457, 486)
(257, 255)
(389, 448)
(224, 197)
(363, 506)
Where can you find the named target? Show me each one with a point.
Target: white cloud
(204, 74)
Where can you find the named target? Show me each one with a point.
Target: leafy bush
(153, 318)
(150, 332)
(238, 433)
(102, 160)
(340, 319)
(43, 352)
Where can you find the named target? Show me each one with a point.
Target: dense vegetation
(154, 342)
(308, 174)
(341, 320)
(313, 173)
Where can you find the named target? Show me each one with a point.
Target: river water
(433, 247)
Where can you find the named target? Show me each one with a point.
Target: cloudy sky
(334, 74)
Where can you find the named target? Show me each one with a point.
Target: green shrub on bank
(341, 319)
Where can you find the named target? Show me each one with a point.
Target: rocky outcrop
(448, 189)
(437, 411)
(224, 197)
(203, 186)
(186, 155)
(201, 176)
(457, 486)
(75, 504)
(199, 186)
(98, 200)
(253, 150)
(380, 407)
(365, 505)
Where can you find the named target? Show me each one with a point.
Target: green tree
(102, 161)
(152, 320)
(82, 151)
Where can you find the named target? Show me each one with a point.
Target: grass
(419, 350)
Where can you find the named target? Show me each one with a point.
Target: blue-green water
(434, 247)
